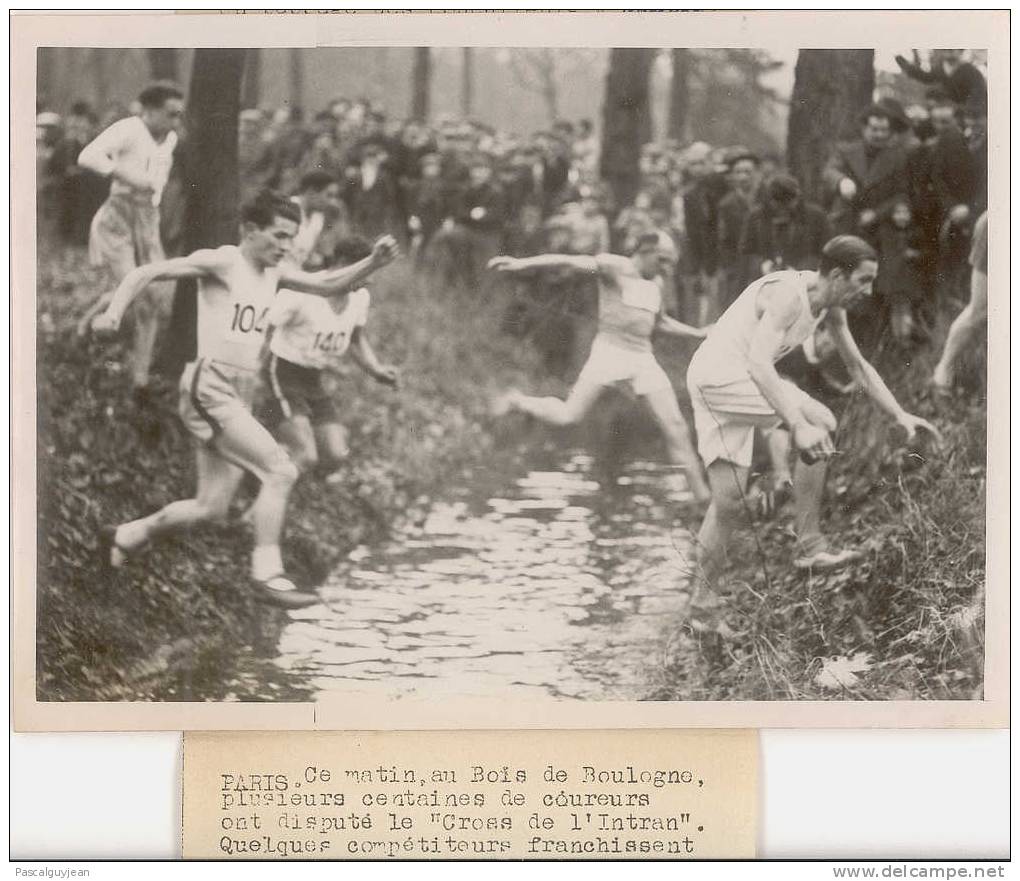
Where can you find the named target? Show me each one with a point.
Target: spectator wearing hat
(866, 177)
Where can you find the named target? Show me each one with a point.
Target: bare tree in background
(97, 66)
(467, 81)
(251, 83)
(210, 181)
(680, 95)
(626, 120)
(830, 88)
(536, 71)
(542, 70)
(163, 64)
(421, 83)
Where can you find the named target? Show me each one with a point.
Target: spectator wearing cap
(866, 177)
(734, 209)
(783, 231)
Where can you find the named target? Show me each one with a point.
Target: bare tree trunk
(421, 83)
(626, 120)
(97, 67)
(680, 95)
(830, 89)
(46, 88)
(550, 86)
(467, 81)
(251, 83)
(210, 179)
(297, 78)
(163, 64)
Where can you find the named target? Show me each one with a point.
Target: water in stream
(548, 584)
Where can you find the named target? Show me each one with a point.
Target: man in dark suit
(866, 177)
(734, 209)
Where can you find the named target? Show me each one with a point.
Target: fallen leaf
(839, 673)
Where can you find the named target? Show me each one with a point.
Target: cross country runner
(309, 335)
(136, 154)
(630, 310)
(735, 388)
(236, 288)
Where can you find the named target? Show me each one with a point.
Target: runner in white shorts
(236, 287)
(630, 310)
(735, 388)
(136, 153)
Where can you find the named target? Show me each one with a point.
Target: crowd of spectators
(457, 192)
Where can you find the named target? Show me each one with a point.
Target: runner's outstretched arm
(198, 265)
(867, 377)
(335, 281)
(668, 324)
(545, 261)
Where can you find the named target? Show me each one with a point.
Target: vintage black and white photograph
(518, 372)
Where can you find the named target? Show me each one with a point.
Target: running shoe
(280, 591)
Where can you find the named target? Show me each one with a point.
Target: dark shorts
(296, 391)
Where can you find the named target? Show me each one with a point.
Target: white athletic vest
(233, 311)
(309, 332)
(722, 357)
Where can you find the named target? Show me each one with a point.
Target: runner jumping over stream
(630, 311)
(735, 388)
(236, 288)
(308, 336)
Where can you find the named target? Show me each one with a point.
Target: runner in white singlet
(136, 154)
(309, 337)
(630, 311)
(236, 287)
(735, 388)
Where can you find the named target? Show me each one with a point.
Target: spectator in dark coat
(428, 202)
(866, 177)
(701, 222)
(734, 209)
(481, 212)
(783, 231)
(371, 195)
(899, 287)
